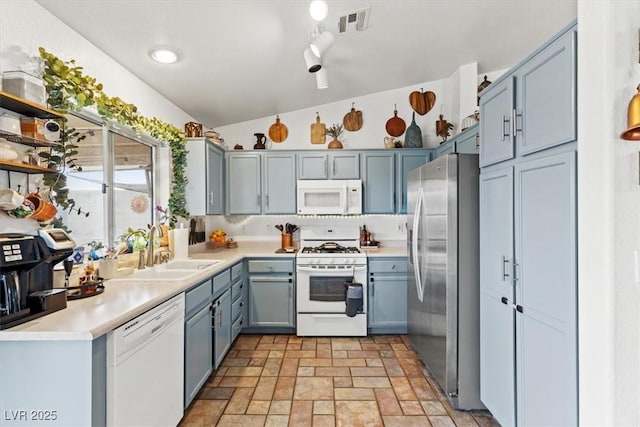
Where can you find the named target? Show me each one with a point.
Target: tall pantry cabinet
(528, 240)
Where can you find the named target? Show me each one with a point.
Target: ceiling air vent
(354, 21)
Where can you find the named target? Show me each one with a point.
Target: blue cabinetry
(332, 165)
(528, 256)
(198, 345)
(533, 108)
(378, 181)
(468, 141)
(406, 160)
(387, 293)
(271, 295)
(261, 183)
(205, 173)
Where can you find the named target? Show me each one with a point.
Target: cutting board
(278, 132)
(395, 126)
(422, 102)
(318, 131)
(352, 121)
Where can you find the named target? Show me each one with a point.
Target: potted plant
(335, 131)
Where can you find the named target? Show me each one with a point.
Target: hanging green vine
(68, 88)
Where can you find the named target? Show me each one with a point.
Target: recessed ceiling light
(318, 10)
(164, 55)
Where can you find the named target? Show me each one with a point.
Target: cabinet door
(215, 180)
(197, 353)
(546, 97)
(344, 165)
(222, 326)
(271, 301)
(379, 183)
(446, 148)
(496, 138)
(497, 370)
(387, 305)
(279, 184)
(468, 143)
(404, 163)
(243, 184)
(313, 166)
(546, 291)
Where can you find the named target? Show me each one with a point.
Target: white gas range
(331, 291)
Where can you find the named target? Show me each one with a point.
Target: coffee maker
(26, 275)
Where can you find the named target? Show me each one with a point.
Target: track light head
(312, 61)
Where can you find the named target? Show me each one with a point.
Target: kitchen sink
(191, 264)
(172, 271)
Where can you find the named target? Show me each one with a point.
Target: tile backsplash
(390, 229)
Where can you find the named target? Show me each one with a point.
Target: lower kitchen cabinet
(238, 301)
(222, 327)
(387, 289)
(198, 341)
(271, 295)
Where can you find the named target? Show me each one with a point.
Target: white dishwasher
(145, 368)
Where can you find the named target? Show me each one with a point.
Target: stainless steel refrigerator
(443, 288)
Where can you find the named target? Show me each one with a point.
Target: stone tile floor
(284, 380)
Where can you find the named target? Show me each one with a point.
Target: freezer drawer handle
(504, 300)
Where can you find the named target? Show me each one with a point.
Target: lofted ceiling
(243, 59)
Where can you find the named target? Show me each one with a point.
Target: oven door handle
(332, 271)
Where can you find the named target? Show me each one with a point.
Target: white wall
(609, 213)
(376, 109)
(25, 26)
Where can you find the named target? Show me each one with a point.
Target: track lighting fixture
(312, 61)
(321, 43)
(322, 81)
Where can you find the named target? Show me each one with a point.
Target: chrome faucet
(150, 249)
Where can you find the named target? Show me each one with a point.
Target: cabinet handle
(267, 200)
(477, 138)
(505, 120)
(393, 267)
(210, 197)
(333, 167)
(241, 304)
(519, 308)
(505, 269)
(325, 167)
(258, 200)
(514, 122)
(504, 300)
(290, 280)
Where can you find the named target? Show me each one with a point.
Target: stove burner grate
(330, 248)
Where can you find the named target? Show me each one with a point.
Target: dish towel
(354, 299)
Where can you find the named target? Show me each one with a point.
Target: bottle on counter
(364, 236)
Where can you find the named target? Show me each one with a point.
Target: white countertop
(89, 318)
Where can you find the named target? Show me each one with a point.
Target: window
(115, 188)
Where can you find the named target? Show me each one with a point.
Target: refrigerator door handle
(414, 246)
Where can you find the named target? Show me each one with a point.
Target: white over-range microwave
(330, 197)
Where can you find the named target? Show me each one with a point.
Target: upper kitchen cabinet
(533, 108)
(378, 180)
(332, 165)
(406, 160)
(244, 190)
(496, 107)
(279, 183)
(205, 172)
(261, 183)
(468, 141)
